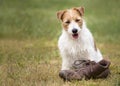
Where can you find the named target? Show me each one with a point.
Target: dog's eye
(77, 20)
(67, 22)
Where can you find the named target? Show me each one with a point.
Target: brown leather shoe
(68, 75)
(90, 70)
(100, 69)
(104, 74)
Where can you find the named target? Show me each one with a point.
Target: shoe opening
(104, 63)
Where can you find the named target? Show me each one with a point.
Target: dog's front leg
(65, 64)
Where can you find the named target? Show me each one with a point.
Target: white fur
(72, 25)
(77, 49)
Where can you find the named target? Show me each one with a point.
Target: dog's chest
(76, 50)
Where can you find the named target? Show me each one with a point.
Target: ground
(29, 31)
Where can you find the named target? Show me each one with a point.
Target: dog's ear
(60, 14)
(80, 10)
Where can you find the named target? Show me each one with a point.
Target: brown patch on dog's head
(73, 14)
(60, 14)
(80, 10)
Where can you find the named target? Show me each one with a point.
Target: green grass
(29, 31)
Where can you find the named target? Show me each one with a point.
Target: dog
(76, 41)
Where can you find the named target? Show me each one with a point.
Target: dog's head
(72, 20)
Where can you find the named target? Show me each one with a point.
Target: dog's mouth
(75, 36)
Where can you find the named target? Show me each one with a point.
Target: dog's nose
(74, 30)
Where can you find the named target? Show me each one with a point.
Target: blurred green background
(21, 19)
(29, 30)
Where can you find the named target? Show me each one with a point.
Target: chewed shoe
(90, 70)
(68, 75)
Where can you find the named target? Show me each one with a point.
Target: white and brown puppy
(76, 41)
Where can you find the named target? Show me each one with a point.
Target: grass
(28, 40)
